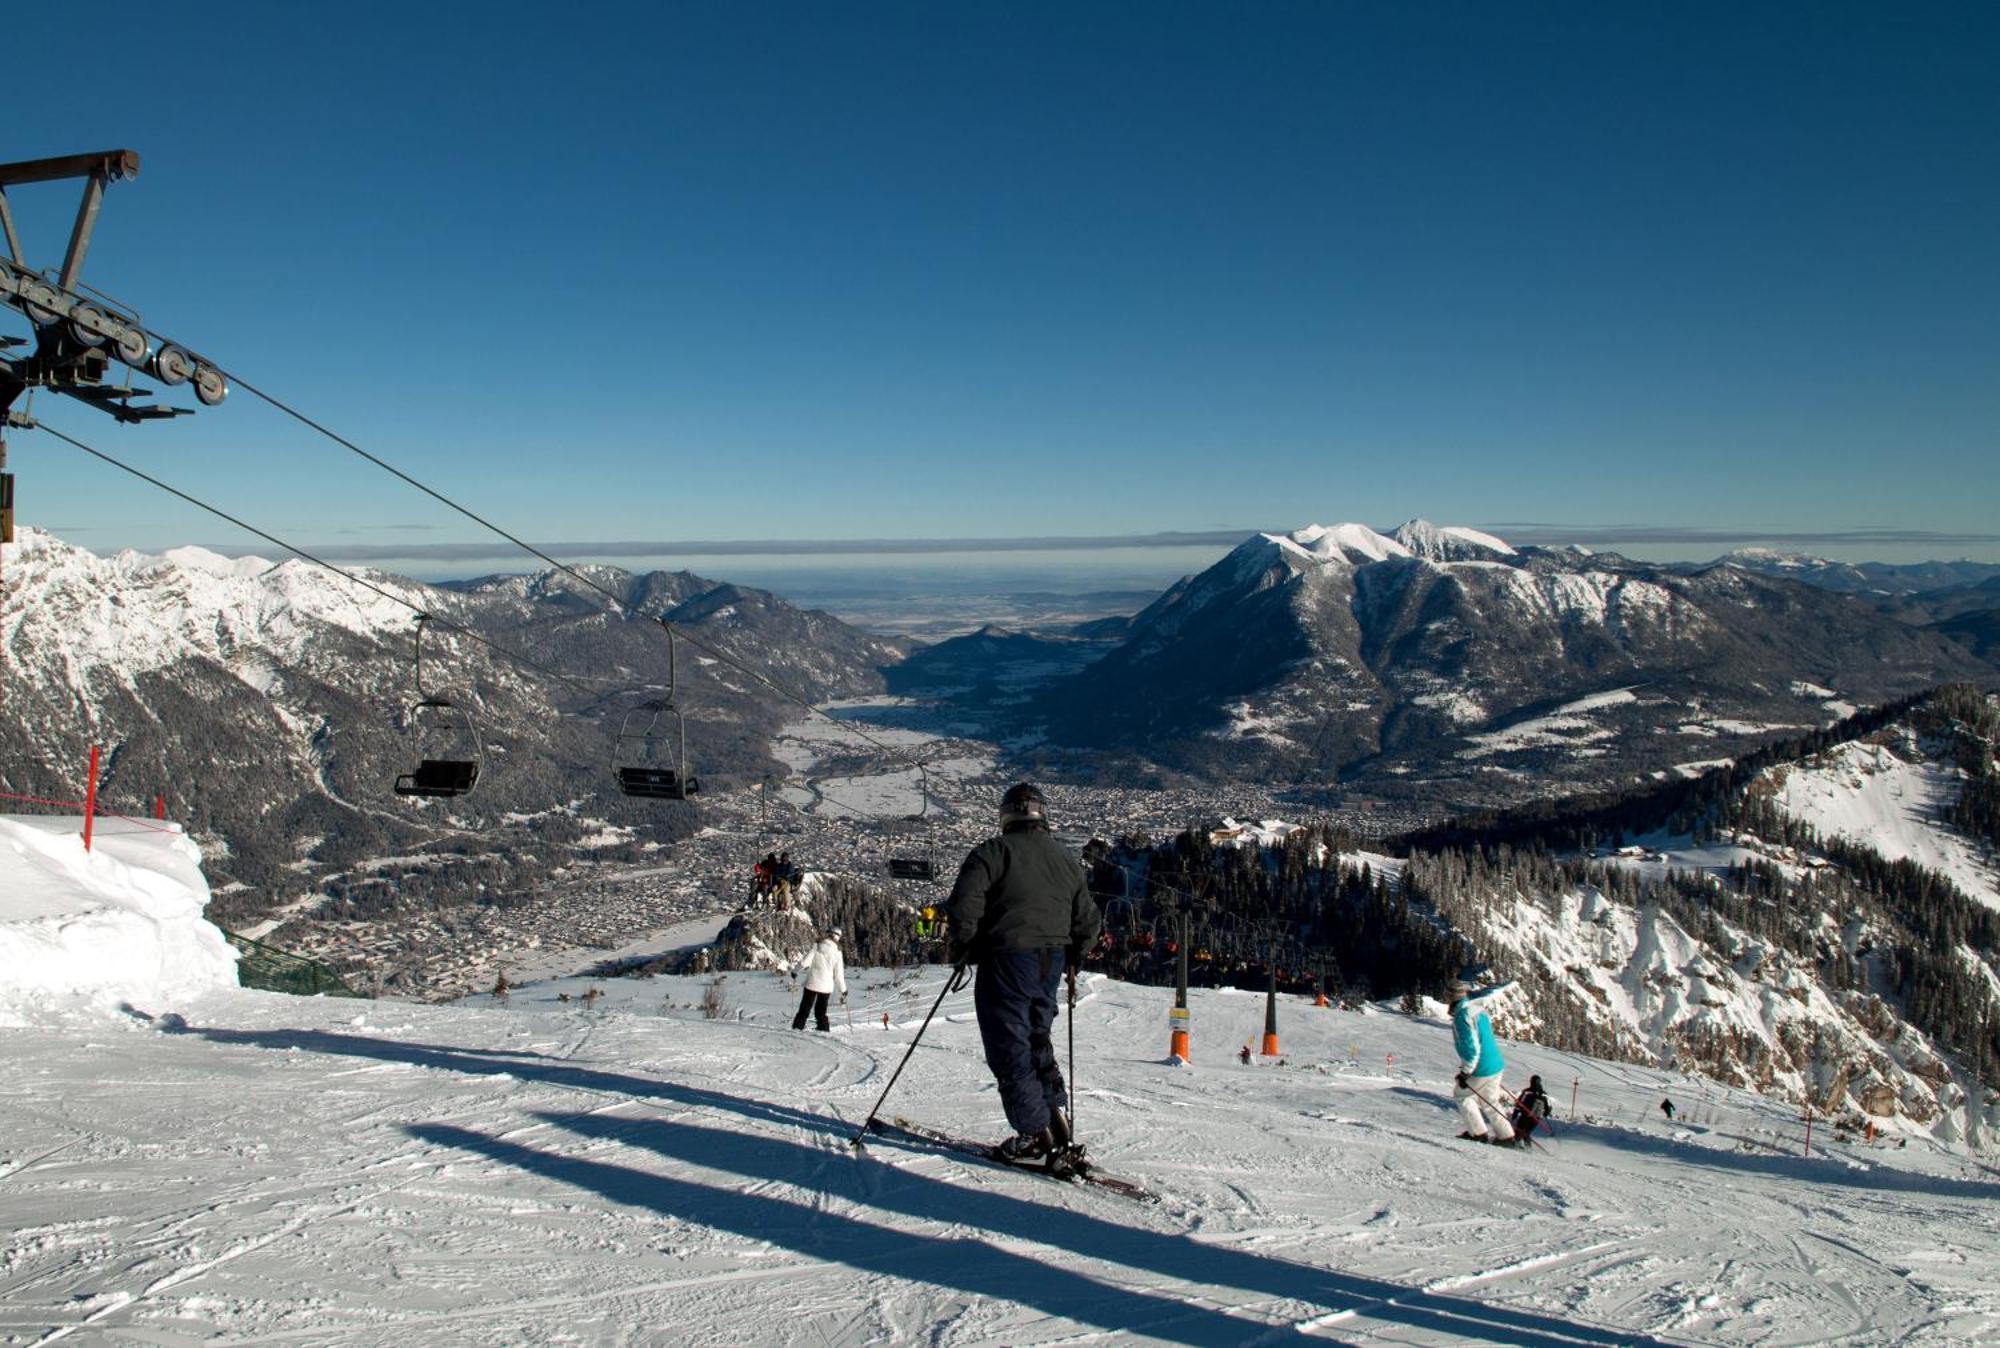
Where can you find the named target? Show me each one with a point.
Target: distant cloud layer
(769, 547)
(1613, 535)
(1517, 532)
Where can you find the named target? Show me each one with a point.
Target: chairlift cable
(570, 571)
(302, 554)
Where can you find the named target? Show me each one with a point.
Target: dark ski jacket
(1021, 891)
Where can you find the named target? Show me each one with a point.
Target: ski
(1081, 1171)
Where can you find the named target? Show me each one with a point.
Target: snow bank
(88, 930)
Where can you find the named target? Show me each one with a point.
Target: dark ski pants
(813, 1004)
(1015, 998)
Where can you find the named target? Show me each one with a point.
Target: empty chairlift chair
(649, 759)
(917, 868)
(444, 739)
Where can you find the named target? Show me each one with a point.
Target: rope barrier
(41, 800)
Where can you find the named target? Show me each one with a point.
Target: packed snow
(210, 1165)
(121, 921)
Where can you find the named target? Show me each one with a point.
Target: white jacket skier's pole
(956, 981)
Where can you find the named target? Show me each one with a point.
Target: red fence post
(90, 798)
(160, 806)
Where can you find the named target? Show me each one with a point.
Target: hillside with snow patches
(1723, 1003)
(185, 1162)
(272, 705)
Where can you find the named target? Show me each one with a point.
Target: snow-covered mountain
(1880, 578)
(270, 705)
(1423, 652)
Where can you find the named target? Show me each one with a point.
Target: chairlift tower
(76, 333)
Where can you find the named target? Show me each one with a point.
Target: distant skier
(1667, 1108)
(1021, 911)
(826, 972)
(1530, 1108)
(1479, 1064)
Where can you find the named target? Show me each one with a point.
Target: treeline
(1250, 914)
(1681, 805)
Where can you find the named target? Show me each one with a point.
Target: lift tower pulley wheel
(77, 335)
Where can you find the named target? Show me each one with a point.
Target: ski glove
(1462, 1081)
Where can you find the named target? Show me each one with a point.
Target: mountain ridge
(1332, 651)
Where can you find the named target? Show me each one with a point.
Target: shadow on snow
(1047, 1283)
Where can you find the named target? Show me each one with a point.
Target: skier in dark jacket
(1021, 910)
(1530, 1108)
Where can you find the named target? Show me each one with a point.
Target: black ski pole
(952, 984)
(1071, 1092)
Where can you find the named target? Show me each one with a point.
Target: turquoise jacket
(1472, 1035)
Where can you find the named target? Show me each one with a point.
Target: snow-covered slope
(626, 1172)
(618, 1168)
(1887, 793)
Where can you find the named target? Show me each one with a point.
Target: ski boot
(1066, 1156)
(1025, 1148)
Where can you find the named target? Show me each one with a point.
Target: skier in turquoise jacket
(1479, 1064)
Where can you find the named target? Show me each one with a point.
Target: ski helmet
(1023, 804)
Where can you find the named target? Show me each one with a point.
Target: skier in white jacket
(826, 973)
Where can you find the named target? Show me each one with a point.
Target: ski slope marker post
(1270, 1049)
(1574, 1082)
(1178, 1019)
(160, 806)
(90, 797)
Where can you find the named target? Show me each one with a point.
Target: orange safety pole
(1177, 1019)
(1270, 1049)
(90, 798)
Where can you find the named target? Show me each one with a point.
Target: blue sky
(821, 271)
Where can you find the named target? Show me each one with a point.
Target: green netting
(269, 969)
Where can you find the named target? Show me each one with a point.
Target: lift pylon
(78, 331)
